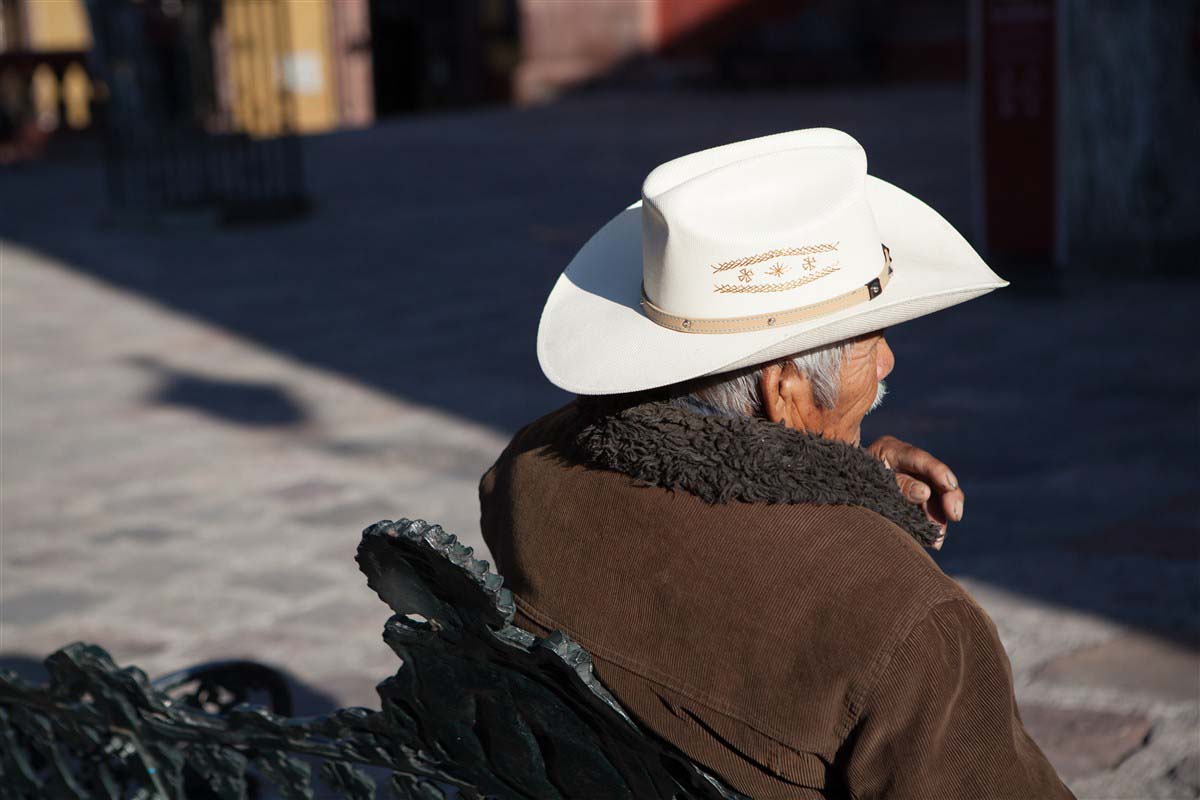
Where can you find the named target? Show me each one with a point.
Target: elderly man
(750, 580)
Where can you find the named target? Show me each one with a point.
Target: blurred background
(271, 270)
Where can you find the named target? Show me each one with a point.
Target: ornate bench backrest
(507, 709)
(478, 708)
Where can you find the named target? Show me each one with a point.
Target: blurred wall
(1129, 173)
(44, 81)
(57, 25)
(350, 38)
(563, 44)
(677, 18)
(448, 54)
(288, 47)
(746, 42)
(303, 62)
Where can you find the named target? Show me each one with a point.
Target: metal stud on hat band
(863, 294)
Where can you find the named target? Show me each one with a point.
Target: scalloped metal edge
(438, 541)
(572, 654)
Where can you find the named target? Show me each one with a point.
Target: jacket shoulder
(548, 430)
(875, 554)
(840, 588)
(869, 562)
(552, 428)
(870, 572)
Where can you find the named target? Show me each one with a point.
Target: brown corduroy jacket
(760, 598)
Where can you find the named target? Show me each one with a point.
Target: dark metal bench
(478, 709)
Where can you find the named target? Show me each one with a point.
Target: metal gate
(198, 111)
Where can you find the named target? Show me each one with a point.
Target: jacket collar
(684, 445)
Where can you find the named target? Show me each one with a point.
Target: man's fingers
(952, 505)
(940, 510)
(914, 490)
(904, 457)
(916, 461)
(923, 479)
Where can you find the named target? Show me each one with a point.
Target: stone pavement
(138, 517)
(196, 423)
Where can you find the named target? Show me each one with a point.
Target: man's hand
(924, 480)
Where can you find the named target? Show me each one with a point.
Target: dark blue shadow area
(435, 241)
(253, 403)
(1071, 419)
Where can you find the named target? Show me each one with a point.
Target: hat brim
(594, 339)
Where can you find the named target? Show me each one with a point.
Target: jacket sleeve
(941, 722)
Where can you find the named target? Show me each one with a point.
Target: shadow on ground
(1070, 419)
(253, 403)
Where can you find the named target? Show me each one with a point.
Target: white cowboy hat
(747, 253)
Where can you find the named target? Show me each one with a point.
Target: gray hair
(740, 392)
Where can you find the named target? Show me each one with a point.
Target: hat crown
(759, 227)
(798, 213)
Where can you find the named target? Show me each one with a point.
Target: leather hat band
(865, 293)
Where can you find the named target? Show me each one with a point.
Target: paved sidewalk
(195, 424)
(136, 517)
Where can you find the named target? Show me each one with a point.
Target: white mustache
(880, 393)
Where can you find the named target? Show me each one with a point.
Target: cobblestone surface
(195, 423)
(171, 534)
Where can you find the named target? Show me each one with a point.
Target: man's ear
(771, 386)
(787, 395)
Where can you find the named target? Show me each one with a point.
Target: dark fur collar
(721, 458)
